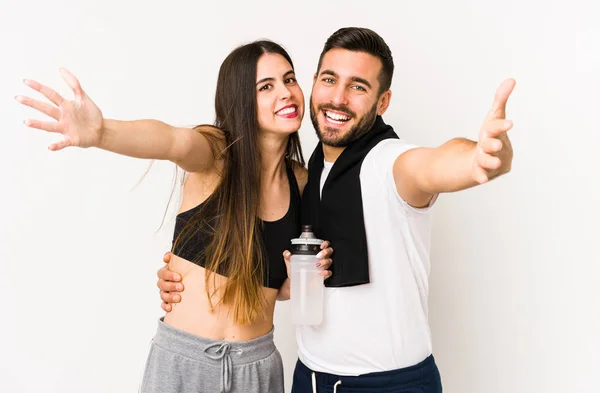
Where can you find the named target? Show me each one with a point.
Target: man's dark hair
(359, 39)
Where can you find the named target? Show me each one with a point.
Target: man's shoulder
(388, 149)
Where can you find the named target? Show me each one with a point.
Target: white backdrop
(514, 286)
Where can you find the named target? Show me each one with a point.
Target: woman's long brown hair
(235, 247)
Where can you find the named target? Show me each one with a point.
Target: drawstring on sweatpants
(314, 384)
(222, 354)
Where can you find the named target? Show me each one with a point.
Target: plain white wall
(514, 285)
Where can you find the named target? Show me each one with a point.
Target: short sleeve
(382, 158)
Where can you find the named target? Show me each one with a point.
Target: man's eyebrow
(361, 80)
(354, 78)
(329, 72)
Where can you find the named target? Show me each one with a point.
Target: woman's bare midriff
(193, 314)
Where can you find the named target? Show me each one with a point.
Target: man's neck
(331, 153)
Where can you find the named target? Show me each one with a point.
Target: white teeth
(335, 121)
(287, 111)
(336, 116)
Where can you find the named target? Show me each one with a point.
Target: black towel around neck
(337, 215)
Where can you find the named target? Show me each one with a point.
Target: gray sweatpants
(186, 363)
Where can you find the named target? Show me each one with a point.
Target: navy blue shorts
(423, 377)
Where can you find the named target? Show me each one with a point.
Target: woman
(240, 209)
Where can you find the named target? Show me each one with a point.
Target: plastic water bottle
(306, 282)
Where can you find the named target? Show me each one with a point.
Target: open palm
(78, 120)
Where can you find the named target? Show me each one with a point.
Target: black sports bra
(276, 235)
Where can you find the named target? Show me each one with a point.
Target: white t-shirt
(382, 325)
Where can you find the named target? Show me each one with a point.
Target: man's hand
(494, 154)
(169, 284)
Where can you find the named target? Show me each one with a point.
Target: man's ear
(384, 102)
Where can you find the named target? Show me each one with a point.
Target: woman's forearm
(138, 138)
(187, 147)
(284, 291)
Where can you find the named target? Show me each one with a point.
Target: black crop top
(276, 235)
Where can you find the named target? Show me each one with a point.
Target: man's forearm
(449, 167)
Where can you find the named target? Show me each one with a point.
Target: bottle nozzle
(307, 236)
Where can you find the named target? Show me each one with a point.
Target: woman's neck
(272, 151)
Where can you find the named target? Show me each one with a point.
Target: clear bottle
(306, 283)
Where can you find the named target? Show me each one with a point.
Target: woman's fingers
(43, 107)
(325, 263)
(72, 82)
(47, 92)
(43, 125)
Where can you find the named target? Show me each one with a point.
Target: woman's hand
(324, 262)
(79, 121)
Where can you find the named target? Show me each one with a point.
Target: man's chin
(329, 136)
(332, 140)
(335, 133)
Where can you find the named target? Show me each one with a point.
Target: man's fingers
(488, 162)
(167, 275)
(167, 257)
(169, 286)
(491, 145)
(480, 175)
(170, 297)
(498, 110)
(166, 306)
(496, 127)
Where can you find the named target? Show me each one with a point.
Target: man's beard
(364, 125)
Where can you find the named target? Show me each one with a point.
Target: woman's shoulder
(301, 174)
(213, 133)
(217, 143)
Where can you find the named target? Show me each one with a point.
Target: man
(370, 194)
